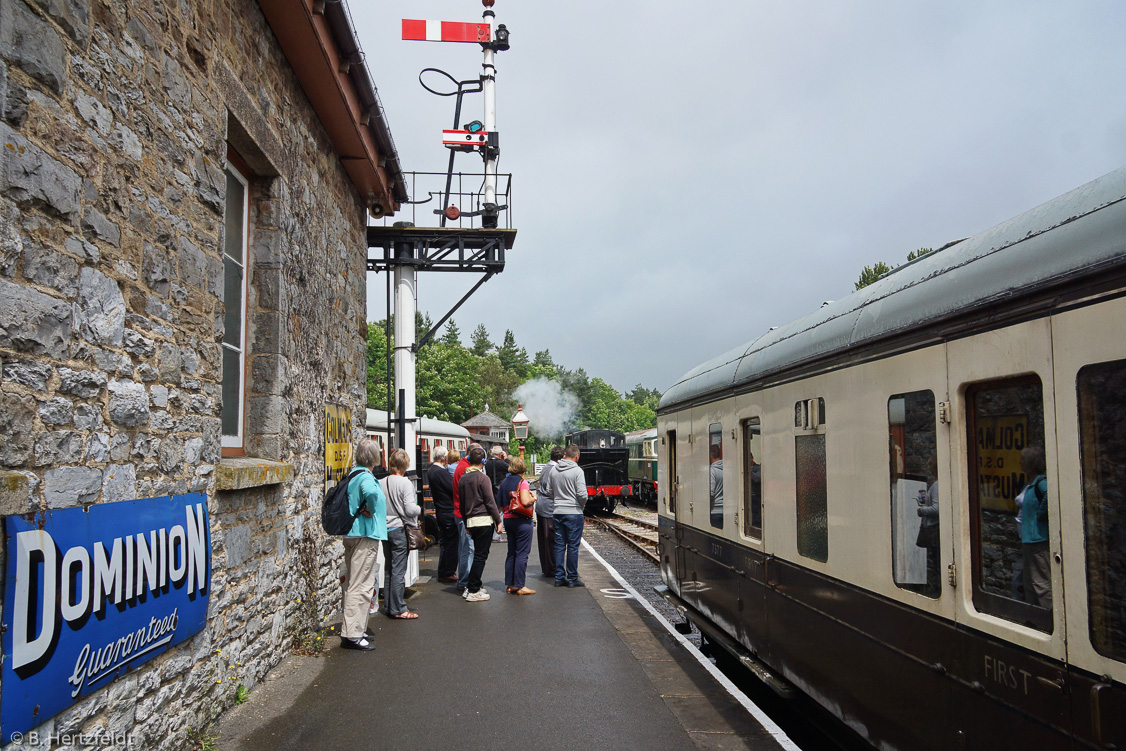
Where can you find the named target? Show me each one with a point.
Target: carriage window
(913, 447)
(715, 474)
(812, 507)
(752, 478)
(812, 495)
(1008, 502)
(1102, 451)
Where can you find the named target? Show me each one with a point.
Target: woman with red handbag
(518, 499)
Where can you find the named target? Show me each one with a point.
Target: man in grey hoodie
(568, 489)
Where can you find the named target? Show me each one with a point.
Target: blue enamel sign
(91, 592)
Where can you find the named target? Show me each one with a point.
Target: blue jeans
(520, 535)
(464, 554)
(568, 537)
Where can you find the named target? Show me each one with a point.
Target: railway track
(640, 533)
(807, 725)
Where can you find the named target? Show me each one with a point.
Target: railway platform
(566, 668)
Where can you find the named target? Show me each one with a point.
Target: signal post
(403, 249)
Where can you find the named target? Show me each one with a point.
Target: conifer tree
(452, 334)
(480, 344)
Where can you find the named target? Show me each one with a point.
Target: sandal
(406, 615)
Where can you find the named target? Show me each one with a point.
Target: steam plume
(551, 410)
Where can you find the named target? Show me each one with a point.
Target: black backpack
(335, 516)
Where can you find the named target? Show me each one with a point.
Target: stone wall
(116, 120)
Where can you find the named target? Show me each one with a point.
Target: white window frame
(238, 440)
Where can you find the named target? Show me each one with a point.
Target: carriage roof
(1077, 234)
(377, 420)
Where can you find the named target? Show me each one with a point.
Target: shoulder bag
(416, 540)
(516, 506)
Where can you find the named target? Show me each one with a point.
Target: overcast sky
(688, 175)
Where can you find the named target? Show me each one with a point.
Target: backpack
(335, 516)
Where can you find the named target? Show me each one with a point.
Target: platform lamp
(520, 427)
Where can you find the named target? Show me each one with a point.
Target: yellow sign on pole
(1000, 440)
(338, 443)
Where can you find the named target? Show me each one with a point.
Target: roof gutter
(344, 34)
(320, 43)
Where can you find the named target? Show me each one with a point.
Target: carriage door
(671, 502)
(1007, 569)
(1090, 369)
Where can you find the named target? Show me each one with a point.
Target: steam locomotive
(604, 459)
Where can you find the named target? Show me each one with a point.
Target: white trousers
(360, 555)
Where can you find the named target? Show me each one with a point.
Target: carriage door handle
(1059, 684)
(1096, 708)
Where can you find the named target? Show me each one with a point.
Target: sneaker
(464, 594)
(479, 596)
(576, 583)
(558, 583)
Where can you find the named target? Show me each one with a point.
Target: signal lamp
(452, 212)
(475, 126)
(500, 38)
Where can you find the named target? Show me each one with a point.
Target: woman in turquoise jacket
(1034, 530)
(361, 546)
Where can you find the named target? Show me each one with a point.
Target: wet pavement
(562, 669)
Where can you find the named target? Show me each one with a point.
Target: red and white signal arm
(445, 31)
(462, 138)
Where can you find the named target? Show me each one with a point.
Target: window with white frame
(234, 299)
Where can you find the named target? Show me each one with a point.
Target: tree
(480, 343)
(609, 411)
(644, 397)
(496, 385)
(447, 382)
(918, 253)
(871, 273)
(543, 359)
(377, 365)
(513, 358)
(422, 324)
(452, 334)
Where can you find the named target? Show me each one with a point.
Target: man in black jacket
(497, 468)
(442, 491)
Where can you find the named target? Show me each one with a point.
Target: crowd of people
(477, 502)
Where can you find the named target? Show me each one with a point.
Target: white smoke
(550, 410)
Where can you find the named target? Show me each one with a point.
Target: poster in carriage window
(93, 592)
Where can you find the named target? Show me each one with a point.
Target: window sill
(244, 472)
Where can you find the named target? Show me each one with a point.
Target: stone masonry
(115, 123)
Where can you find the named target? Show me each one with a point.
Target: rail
(639, 533)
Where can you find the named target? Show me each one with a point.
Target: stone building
(184, 190)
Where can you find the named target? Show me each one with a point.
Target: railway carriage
(642, 446)
(796, 472)
(431, 434)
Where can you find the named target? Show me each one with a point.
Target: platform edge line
(768, 724)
